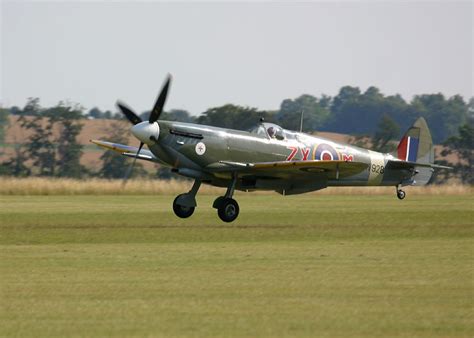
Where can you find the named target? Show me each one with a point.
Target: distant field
(302, 266)
(55, 186)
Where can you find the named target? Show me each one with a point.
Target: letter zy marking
(305, 153)
(294, 150)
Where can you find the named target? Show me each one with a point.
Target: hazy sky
(254, 54)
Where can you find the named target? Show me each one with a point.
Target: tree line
(373, 119)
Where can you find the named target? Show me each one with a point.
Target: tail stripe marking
(412, 149)
(402, 149)
(408, 149)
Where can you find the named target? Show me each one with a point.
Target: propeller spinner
(146, 132)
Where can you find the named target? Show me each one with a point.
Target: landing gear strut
(400, 193)
(227, 207)
(184, 204)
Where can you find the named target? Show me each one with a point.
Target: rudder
(416, 145)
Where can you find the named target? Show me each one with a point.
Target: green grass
(325, 266)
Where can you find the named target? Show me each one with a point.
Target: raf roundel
(325, 152)
(200, 148)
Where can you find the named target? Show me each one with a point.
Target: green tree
(32, 107)
(463, 146)
(114, 165)
(315, 113)
(16, 165)
(233, 117)
(40, 146)
(52, 144)
(354, 112)
(95, 113)
(67, 120)
(444, 116)
(387, 131)
(4, 113)
(177, 115)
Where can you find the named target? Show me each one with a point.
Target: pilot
(271, 132)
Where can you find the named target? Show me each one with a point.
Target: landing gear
(184, 204)
(181, 210)
(227, 208)
(400, 193)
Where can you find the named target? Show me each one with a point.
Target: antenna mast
(301, 120)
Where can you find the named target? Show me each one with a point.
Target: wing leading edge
(127, 150)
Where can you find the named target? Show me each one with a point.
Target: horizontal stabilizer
(410, 165)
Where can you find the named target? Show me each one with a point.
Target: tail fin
(416, 145)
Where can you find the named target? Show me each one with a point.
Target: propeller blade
(129, 114)
(130, 168)
(160, 102)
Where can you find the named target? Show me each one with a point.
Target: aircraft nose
(146, 132)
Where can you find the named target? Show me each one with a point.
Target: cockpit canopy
(271, 131)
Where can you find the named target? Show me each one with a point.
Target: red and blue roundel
(325, 152)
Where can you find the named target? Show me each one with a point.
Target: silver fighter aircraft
(269, 157)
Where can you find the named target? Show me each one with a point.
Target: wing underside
(288, 177)
(291, 169)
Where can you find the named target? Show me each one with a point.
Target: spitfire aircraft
(269, 157)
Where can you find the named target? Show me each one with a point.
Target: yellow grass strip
(56, 186)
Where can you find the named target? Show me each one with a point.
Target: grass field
(311, 265)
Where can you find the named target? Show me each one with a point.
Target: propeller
(130, 168)
(145, 132)
(160, 101)
(129, 114)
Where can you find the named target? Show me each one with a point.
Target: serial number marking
(376, 168)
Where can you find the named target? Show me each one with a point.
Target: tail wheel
(400, 194)
(228, 210)
(182, 211)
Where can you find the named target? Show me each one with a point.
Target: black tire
(401, 194)
(182, 211)
(228, 210)
(218, 202)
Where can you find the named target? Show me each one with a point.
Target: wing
(292, 169)
(287, 177)
(127, 150)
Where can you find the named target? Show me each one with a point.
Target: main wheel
(182, 211)
(401, 194)
(218, 201)
(228, 210)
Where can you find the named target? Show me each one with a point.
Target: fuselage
(192, 149)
